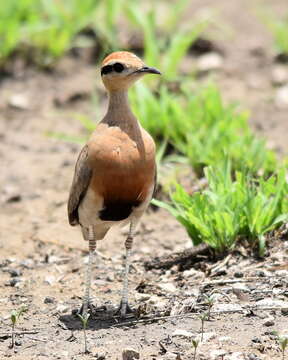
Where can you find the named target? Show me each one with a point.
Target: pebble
(61, 308)
(168, 287)
(142, 297)
(224, 339)
(216, 354)
(130, 354)
(207, 336)
(227, 307)
(19, 101)
(100, 356)
(14, 272)
(49, 300)
(279, 75)
(272, 303)
(170, 356)
(210, 61)
(282, 273)
(183, 333)
(13, 282)
(235, 356)
(49, 279)
(281, 97)
(238, 274)
(253, 357)
(269, 321)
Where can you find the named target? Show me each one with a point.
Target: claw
(123, 310)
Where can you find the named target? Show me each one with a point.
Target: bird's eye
(106, 69)
(118, 67)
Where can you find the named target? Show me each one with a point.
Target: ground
(42, 257)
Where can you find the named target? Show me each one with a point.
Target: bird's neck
(120, 114)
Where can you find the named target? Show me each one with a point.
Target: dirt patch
(42, 257)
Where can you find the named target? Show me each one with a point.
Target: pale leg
(92, 248)
(128, 246)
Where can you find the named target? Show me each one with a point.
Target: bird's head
(121, 69)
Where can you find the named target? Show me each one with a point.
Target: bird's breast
(123, 169)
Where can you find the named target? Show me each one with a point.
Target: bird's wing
(155, 183)
(79, 186)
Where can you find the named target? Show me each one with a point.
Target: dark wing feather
(79, 186)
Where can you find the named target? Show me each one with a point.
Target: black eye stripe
(118, 67)
(106, 69)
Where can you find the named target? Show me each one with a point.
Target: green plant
(166, 51)
(279, 29)
(195, 343)
(202, 128)
(283, 342)
(231, 208)
(14, 317)
(48, 27)
(84, 320)
(210, 301)
(203, 317)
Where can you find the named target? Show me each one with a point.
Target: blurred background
(218, 115)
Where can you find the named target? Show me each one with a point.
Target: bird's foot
(91, 309)
(123, 310)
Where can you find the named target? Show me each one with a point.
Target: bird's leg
(128, 246)
(92, 248)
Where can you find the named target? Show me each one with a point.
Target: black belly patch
(117, 211)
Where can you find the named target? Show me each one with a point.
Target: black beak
(148, 70)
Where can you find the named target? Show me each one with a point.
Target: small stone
(281, 97)
(142, 297)
(282, 273)
(227, 307)
(13, 282)
(270, 303)
(170, 356)
(279, 75)
(15, 272)
(100, 356)
(253, 357)
(207, 337)
(19, 101)
(224, 339)
(235, 356)
(238, 274)
(183, 333)
(49, 279)
(269, 321)
(61, 308)
(130, 354)
(49, 300)
(168, 287)
(210, 61)
(216, 354)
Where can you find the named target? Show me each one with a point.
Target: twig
(196, 315)
(167, 261)
(8, 333)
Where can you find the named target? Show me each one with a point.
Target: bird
(115, 173)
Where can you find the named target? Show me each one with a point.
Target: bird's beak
(148, 70)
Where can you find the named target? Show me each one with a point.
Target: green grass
(202, 128)
(279, 30)
(230, 208)
(44, 30)
(47, 27)
(165, 52)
